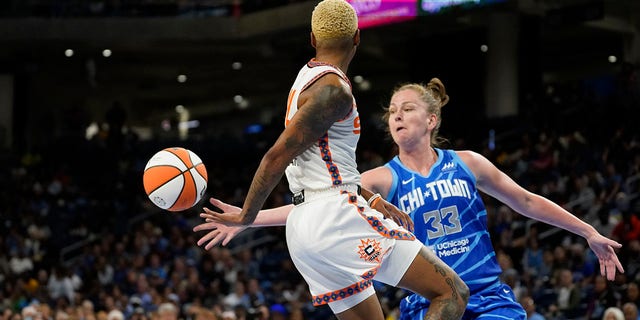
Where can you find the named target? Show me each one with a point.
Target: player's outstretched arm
(223, 226)
(500, 186)
(222, 230)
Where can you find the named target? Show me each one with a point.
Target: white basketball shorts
(339, 244)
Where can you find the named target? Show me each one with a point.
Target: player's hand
(604, 247)
(392, 212)
(223, 226)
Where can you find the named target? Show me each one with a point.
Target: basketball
(175, 179)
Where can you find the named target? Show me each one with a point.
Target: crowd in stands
(79, 240)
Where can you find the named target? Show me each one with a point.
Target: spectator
(105, 271)
(605, 222)
(30, 313)
(139, 314)
(228, 315)
(87, 311)
(632, 259)
(613, 313)
(235, 297)
(254, 296)
(529, 306)
(611, 184)
(628, 229)
(7, 313)
(45, 311)
(61, 315)
(167, 311)
(546, 270)
(583, 262)
(632, 293)
(20, 262)
(532, 259)
(567, 294)
(115, 314)
(601, 297)
(60, 284)
(630, 311)
(278, 312)
(155, 268)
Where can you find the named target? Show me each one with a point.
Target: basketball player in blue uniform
(450, 218)
(439, 189)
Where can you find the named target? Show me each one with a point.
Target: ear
(313, 39)
(432, 121)
(356, 38)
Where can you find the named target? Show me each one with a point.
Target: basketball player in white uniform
(336, 241)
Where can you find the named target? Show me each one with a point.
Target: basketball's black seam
(180, 159)
(186, 165)
(169, 180)
(179, 194)
(195, 185)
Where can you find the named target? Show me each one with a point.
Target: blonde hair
(333, 19)
(115, 314)
(615, 312)
(434, 95)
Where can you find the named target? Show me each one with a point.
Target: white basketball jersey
(331, 161)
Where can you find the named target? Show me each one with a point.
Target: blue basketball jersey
(451, 219)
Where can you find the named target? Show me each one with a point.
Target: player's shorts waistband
(308, 195)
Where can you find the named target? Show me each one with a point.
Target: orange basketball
(175, 179)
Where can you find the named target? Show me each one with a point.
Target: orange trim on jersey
(325, 154)
(356, 123)
(292, 93)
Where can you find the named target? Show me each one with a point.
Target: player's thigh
(368, 309)
(431, 277)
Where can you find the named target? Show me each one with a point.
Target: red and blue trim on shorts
(342, 293)
(377, 225)
(360, 286)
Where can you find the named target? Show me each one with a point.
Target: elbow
(464, 295)
(275, 159)
(452, 305)
(459, 300)
(274, 163)
(462, 299)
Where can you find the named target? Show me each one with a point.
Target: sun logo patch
(370, 250)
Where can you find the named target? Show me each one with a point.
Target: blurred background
(91, 89)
